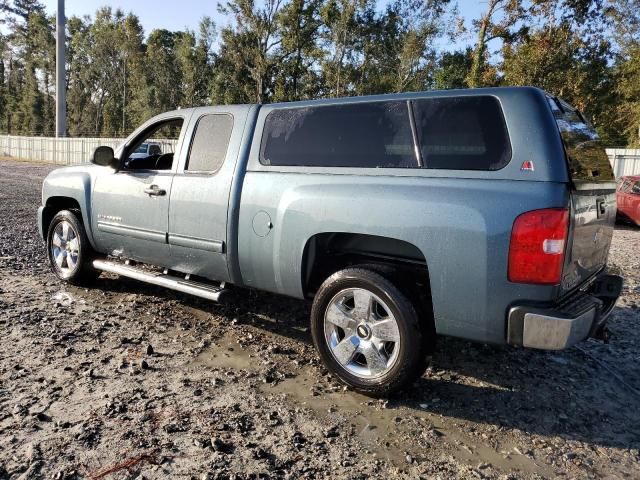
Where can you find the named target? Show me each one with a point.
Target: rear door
(199, 206)
(593, 196)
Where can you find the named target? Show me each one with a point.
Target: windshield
(141, 149)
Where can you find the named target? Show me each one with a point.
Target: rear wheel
(69, 251)
(368, 332)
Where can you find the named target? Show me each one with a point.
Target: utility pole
(124, 96)
(61, 84)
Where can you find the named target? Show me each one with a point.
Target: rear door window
(210, 143)
(586, 156)
(464, 133)
(367, 135)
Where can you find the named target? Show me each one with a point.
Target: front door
(131, 206)
(200, 193)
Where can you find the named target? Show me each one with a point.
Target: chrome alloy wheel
(65, 248)
(362, 333)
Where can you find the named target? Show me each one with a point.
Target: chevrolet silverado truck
(483, 214)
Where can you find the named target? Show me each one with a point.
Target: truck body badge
(110, 218)
(527, 166)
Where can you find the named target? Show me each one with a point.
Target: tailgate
(594, 214)
(593, 196)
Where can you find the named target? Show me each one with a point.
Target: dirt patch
(128, 381)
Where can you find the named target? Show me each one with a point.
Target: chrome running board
(160, 279)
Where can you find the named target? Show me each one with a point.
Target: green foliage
(497, 22)
(586, 51)
(629, 90)
(453, 70)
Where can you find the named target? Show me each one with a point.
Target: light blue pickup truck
(484, 214)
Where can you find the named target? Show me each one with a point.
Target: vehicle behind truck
(482, 214)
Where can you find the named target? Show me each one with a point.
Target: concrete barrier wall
(62, 151)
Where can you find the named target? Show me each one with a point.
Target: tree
(453, 69)
(498, 21)
(280, 50)
(163, 72)
(3, 86)
(81, 110)
(629, 90)
(557, 60)
(114, 46)
(252, 47)
(131, 44)
(626, 20)
(340, 43)
(421, 23)
(299, 25)
(28, 46)
(193, 54)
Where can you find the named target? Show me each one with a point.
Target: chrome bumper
(560, 326)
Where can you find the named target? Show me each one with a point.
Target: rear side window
(465, 133)
(586, 157)
(368, 135)
(210, 143)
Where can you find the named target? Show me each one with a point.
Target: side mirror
(105, 157)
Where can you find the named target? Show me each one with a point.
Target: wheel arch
(401, 261)
(55, 204)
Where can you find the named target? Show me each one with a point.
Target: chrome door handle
(154, 190)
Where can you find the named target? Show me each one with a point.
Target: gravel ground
(128, 381)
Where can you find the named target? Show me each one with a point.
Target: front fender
(71, 183)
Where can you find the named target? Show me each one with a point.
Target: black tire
(80, 271)
(413, 345)
(419, 298)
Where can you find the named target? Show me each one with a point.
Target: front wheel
(368, 333)
(69, 251)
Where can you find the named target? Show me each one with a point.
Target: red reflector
(538, 244)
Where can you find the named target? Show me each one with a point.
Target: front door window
(154, 149)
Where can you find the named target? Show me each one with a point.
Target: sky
(182, 14)
(169, 14)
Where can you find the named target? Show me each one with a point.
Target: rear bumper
(559, 326)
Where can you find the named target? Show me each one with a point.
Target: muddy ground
(127, 381)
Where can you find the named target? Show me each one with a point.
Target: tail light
(538, 244)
